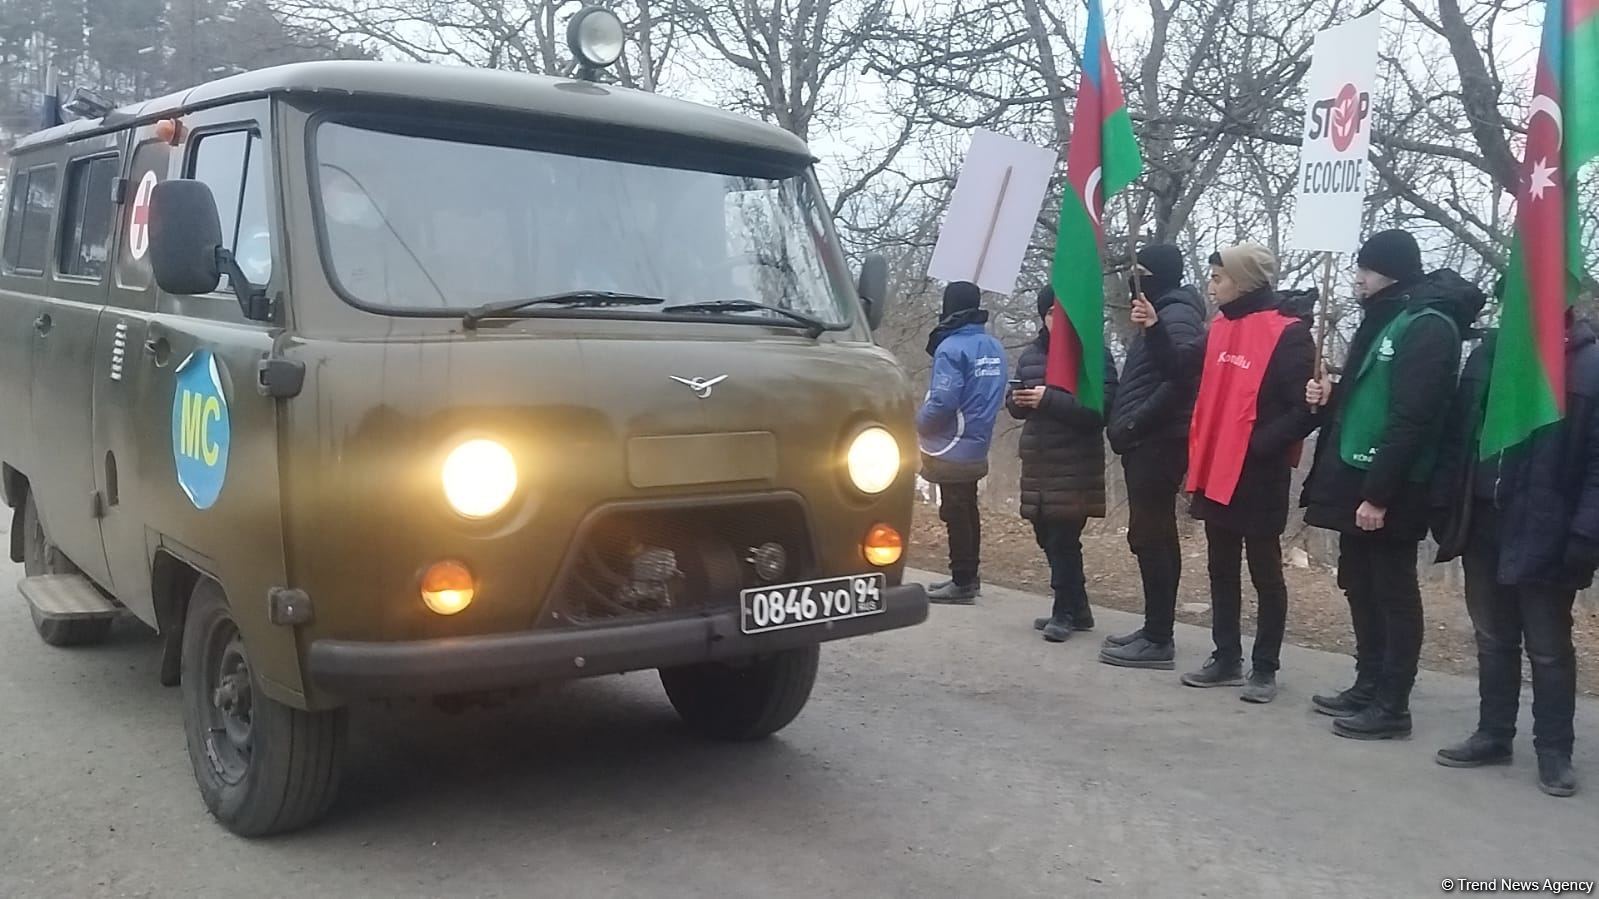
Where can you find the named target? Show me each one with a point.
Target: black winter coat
(1260, 502)
(1426, 364)
(1546, 490)
(1063, 444)
(1155, 399)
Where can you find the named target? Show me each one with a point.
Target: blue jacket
(956, 421)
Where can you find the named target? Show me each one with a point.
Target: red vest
(1236, 355)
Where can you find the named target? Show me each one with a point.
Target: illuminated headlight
(873, 460)
(479, 478)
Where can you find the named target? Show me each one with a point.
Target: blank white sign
(994, 211)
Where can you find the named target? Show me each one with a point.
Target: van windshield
(425, 225)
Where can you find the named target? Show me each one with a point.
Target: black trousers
(1503, 618)
(1062, 542)
(1154, 474)
(1226, 548)
(958, 508)
(1378, 576)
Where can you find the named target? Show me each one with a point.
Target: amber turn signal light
(883, 545)
(447, 587)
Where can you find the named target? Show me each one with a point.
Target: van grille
(631, 564)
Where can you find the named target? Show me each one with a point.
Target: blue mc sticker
(201, 430)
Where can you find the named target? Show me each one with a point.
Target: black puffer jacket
(1546, 490)
(1423, 381)
(1160, 379)
(1259, 506)
(1062, 446)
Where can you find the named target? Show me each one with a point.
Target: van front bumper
(470, 664)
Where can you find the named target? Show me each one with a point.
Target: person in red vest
(1242, 448)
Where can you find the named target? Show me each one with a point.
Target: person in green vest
(1381, 427)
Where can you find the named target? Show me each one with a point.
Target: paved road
(963, 758)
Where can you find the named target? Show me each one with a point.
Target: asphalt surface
(961, 758)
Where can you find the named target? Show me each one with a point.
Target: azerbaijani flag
(1102, 158)
(1528, 389)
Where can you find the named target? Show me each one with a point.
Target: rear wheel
(262, 767)
(41, 557)
(743, 701)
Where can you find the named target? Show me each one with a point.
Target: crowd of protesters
(1220, 410)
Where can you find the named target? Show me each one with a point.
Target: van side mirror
(873, 288)
(186, 250)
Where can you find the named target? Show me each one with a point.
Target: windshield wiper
(813, 327)
(572, 299)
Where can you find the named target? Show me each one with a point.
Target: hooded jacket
(1546, 490)
(1160, 379)
(1259, 505)
(956, 421)
(1062, 446)
(1425, 365)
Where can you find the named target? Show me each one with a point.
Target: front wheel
(262, 767)
(743, 701)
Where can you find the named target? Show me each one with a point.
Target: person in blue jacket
(955, 426)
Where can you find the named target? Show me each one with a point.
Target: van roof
(486, 88)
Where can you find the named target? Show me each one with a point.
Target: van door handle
(43, 324)
(158, 349)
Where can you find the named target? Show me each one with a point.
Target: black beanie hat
(1165, 264)
(1393, 253)
(1046, 301)
(961, 296)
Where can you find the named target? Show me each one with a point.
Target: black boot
(1555, 774)
(1475, 751)
(1348, 702)
(1058, 630)
(1375, 722)
(1083, 617)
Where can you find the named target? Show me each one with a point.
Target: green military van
(360, 379)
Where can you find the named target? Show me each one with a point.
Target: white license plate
(798, 605)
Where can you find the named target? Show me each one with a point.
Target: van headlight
(479, 478)
(873, 460)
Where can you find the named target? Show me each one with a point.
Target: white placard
(993, 212)
(1339, 109)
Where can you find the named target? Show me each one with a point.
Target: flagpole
(1133, 227)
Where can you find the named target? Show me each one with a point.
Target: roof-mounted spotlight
(595, 36)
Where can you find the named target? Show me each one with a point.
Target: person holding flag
(1102, 159)
(1148, 428)
(1522, 480)
(1525, 525)
(1243, 445)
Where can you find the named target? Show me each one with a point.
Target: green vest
(1365, 417)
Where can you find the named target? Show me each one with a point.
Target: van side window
(86, 228)
(33, 204)
(233, 165)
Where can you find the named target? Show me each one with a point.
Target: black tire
(262, 767)
(744, 701)
(41, 557)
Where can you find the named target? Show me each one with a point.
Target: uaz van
(369, 380)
